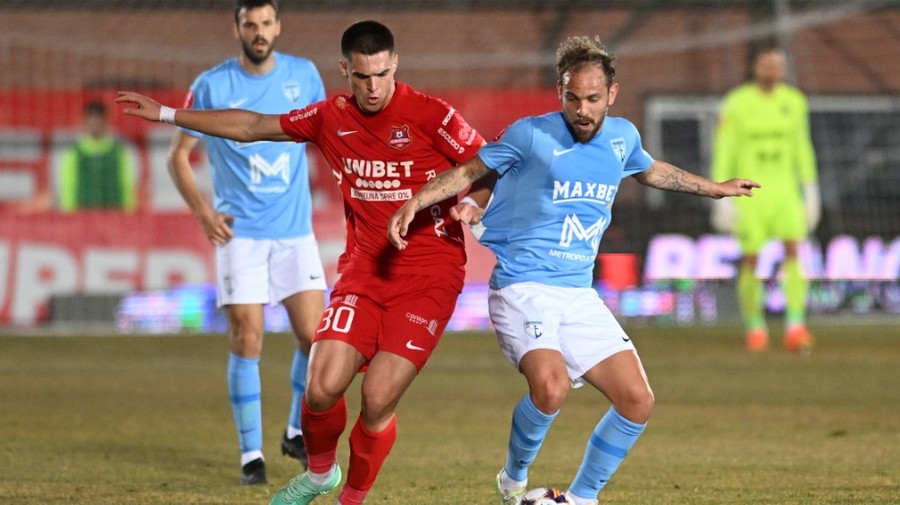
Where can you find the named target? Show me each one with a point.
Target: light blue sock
(609, 444)
(298, 385)
(529, 427)
(244, 392)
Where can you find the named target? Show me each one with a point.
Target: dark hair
(577, 51)
(95, 108)
(764, 49)
(366, 37)
(252, 4)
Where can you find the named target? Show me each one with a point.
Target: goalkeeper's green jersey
(765, 137)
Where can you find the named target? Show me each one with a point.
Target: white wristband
(470, 201)
(166, 115)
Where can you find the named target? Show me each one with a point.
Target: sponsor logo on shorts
(430, 325)
(534, 329)
(351, 300)
(229, 284)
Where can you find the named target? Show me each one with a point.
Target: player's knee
(321, 395)
(304, 341)
(245, 342)
(548, 396)
(377, 407)
(637, 405)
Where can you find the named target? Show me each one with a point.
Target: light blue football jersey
(554, 197)
(264, 185)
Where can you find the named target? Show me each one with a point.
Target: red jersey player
(389, 308)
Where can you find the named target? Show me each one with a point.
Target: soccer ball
(544, 496)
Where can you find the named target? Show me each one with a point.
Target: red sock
(368, 450)
(321, 431)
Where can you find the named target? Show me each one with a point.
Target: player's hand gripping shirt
(380, 160)
(264, 185)
(554, 197)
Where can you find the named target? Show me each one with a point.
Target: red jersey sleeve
(304, 125)
(455, 138)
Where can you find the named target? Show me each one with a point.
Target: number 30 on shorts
(337, 319)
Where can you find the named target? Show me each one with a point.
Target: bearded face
(585, 97)
(257, 30)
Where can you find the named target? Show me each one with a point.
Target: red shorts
(405, 315)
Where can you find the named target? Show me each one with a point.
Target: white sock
(508, 484)
(577, 500)
(250, 456)
(321, 478)
(293, 432)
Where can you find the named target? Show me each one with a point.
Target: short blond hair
(577, 51)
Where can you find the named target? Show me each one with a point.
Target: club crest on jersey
(534, 329)
(399, 137)
(291, 90)
(618, 147)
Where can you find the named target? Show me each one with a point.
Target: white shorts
(259, 271)
(573, 321)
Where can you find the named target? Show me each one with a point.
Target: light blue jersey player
(558, 176)
(263, 185)
(553, 237)
(261, 221)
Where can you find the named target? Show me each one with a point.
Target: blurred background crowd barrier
(493, 61)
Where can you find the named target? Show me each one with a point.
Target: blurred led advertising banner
(102, 253)
(105, 252)
(164, 260)
(704, 295)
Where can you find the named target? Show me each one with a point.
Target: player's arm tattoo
(662, 175)
(450, 183)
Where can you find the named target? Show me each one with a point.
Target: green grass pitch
(145, 420)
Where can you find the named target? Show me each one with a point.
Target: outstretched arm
(662, 175)
(235, 124)
(440, 188)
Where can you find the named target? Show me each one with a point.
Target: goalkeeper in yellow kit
(763, 134)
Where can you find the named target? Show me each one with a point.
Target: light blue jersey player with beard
(553, 236)
(264, 185)
(261, 223)
(541, 295)
(558, 175)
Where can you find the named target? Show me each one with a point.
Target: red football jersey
(380, 160)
